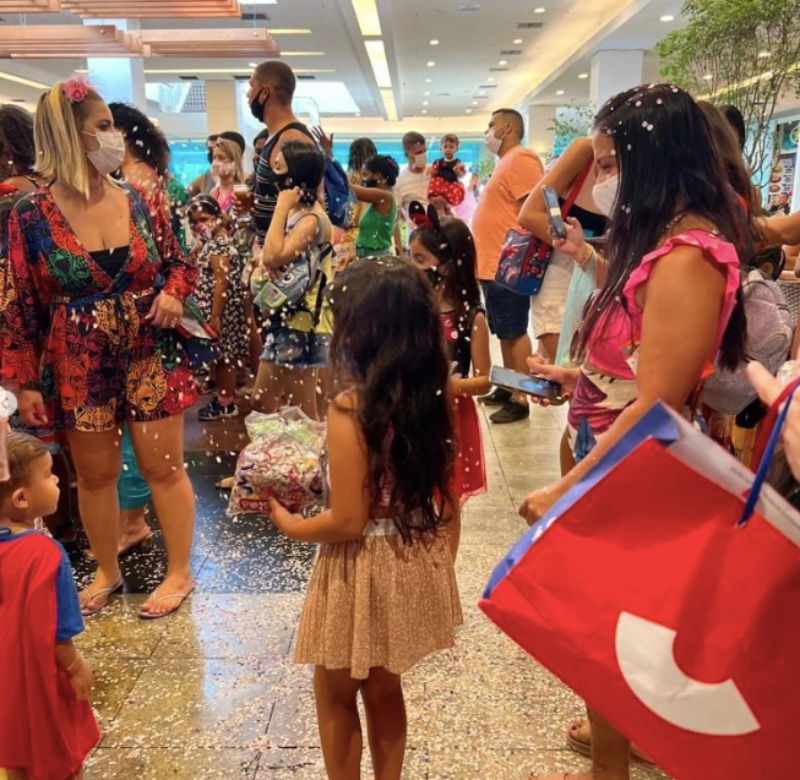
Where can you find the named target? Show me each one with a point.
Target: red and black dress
(469, 470)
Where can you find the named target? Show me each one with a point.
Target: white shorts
(547, 306)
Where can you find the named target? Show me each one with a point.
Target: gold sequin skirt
(377, 602)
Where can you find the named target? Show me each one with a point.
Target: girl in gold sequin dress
(383, 593)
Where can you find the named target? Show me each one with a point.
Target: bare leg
(255, 343)
(611, 752)
(454, 529)
(159, 450)
(323, 377)
(340, 735)
(548, 346)
(268, 394)
(387, 725)
(98, 462)
(226, 380)
(301, 390)
(515, 356)
(567, 456)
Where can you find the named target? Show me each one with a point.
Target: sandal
(153, 597)
(107, 592)
(583, 746)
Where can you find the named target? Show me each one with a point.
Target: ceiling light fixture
(380, 65)
(24, 82)
(424, 111)
(469, 110)
(431, 64)
(490, 79)
(667, 18)
(426, 102)
(387, 95)
(762, 55)
(559, 92)
(434, 42)
(427, 93)
(539, 10)
(215, 71)
(502, 62)
(517, 41)
(428, 81)
(583, 75)
(368, 19)
(474, 102)
(708, 77)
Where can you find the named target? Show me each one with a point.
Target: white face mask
(605, 194)
(111, 153)
(220, 169)
(419, 160)
(492, 142)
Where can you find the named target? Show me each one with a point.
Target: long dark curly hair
(145, 141)
(388, 345)
(668, 165)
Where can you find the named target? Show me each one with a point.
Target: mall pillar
(541, 130)
(613, 72)
(222, 107)
(118, 79)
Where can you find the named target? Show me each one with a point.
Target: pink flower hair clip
(76, 89)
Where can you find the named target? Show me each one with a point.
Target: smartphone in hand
(525, 383)
(557, 225)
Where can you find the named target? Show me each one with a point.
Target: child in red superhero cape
(47, 727)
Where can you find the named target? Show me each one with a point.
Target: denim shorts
(296, 348)
(507, 312)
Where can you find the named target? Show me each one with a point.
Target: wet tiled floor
(210, 692)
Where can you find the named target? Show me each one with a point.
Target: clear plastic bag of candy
(282, 461)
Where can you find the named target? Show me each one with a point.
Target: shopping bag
(282, 461)
(581, 286)
(524, 259)
(668, 601)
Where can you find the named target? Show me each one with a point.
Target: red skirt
(469, 470)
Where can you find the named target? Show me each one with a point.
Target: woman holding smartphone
(670, 303)
(572, 175)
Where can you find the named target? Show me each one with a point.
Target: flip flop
(88, 612)
(583, 748)
(155, 615)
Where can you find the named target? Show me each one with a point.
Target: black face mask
(276, 181)
(257, 107)
(434, 277)
(371, 183)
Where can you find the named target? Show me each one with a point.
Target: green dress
(376, 232)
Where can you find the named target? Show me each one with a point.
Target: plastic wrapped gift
(282, 461)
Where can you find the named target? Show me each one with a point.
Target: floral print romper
(79, 336)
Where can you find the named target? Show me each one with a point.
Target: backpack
(769, 338)
(287, 291)
(339, 198)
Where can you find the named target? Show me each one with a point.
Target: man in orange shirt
(517, 173)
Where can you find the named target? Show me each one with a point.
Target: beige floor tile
(308, 764)
(294, 719)
(175, 764)
(491, 525)
(198, 704)
(489, 762)
(521, 486)
(114, 679)
(232, 626)
(118, 631)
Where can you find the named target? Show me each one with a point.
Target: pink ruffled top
(618, 331)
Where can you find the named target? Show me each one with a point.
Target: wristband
(77, 660)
